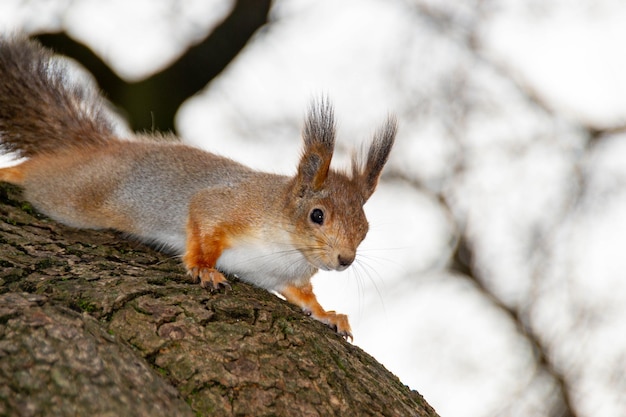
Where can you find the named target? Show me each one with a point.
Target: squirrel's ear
(319, 142)
(377, 156)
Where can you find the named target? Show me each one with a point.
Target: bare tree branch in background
(151, 104)
(463, 259)
(463, 263)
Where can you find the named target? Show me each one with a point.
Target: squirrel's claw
(339, 323)
(209, 278)
(346, 335)
(211, 285)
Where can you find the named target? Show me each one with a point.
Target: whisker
(362, 268)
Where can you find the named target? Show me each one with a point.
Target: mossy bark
(94, 324)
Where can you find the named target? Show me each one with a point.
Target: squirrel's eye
(317, 216)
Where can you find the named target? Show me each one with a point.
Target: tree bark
(94, 324)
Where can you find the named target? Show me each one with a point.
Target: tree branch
(151, 104)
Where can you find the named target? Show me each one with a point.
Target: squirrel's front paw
(338, 322)
(209, 278)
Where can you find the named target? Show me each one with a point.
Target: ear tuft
(319, 143)
(319, 128)
(377, 156)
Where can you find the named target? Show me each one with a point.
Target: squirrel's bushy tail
(43, 107)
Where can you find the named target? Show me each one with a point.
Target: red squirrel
(273, 231)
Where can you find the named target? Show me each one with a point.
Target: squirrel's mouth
(337, 265)
(337, 268)
(323, 267)
(337, 258)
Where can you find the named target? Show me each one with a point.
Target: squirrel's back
(42, 107)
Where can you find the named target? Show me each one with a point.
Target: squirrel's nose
(345, 260)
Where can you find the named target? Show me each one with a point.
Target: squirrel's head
(328, 205)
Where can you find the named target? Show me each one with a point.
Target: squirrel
(273, 231)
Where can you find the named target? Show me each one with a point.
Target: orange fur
(303, 297)
(204, 247)
(14, 175)
(202, 253)
(87, 206)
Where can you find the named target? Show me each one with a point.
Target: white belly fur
(267, 265)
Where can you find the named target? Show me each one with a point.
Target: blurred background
(492, 280)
